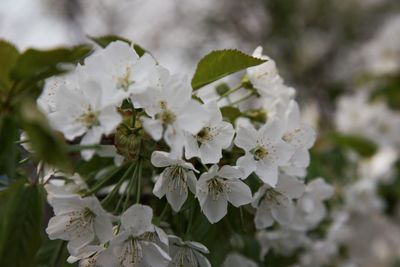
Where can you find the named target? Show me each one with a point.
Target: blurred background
(342, 56)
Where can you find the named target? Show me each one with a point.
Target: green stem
(76, 148)
(130, 185)
(22, 141)
(202, 164)
(242, 99)
(101, 183)
(22, 161)
(229, 92)
(164, 212)
(190, 223)
(59, 254)
(118, 185)
(139, 183)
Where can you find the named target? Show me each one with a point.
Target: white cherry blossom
(310, 207)
(173, 112)
(282, 241)
(136, 245)
(275, 204)
(237, 260)
(84, 113)
(217, 187)
(208, 143)
(187, 253)
(265, 150)
(175, 180)
(301, 137)
(121, 71)
(362, 197)
(88, 256)
(81, 221)
(266, 79)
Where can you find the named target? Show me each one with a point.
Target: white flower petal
(202, 260)
(247, 164)
(161, 186)
(176, 197)
(137, 219)
(153, 127)
(272, 130)
(268, 172)
(215, 209)
(193, 118)
(246, 137)
(191, 146)
(239, 193)
(300, 158)
(103, 228)
(284, 211)
(154, 255)
(161, 159)
(230, 172)
(109, 119)
(263, 218)
(198, 246)
(191, 181)
(283, 152)
(290, 186)
(210, 153)
(320, 189)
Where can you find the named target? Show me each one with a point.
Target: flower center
(184, 258)
(204, 135)
(90, 118)
(132, 253)
(271, 195)
(178, 177)
(259, 152)
(290, 136)
(166, 115)
(124, 81)
(216, 187)
(80, 222)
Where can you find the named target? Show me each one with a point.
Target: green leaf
(390, 93)
(21, 210)
(9, 56)
(221, 63)
(41, 64)
(363, 146)
(8, 148)
(47, 146)
(230, 113)
(104, 41)
(222, 89)
(258, 115)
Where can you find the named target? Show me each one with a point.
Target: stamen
(80, 222)
(179, 178)
(166, 115)
(216, 187)
(259, 152)
(125, 81)
(132, 253)
(205, 135)
(90, 118)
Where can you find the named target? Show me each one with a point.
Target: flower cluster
(122, 105)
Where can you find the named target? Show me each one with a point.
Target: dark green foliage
(221, 63)
(21, 209)
(41, 64)
(104, 41)
(9, 56)
(364, 147)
